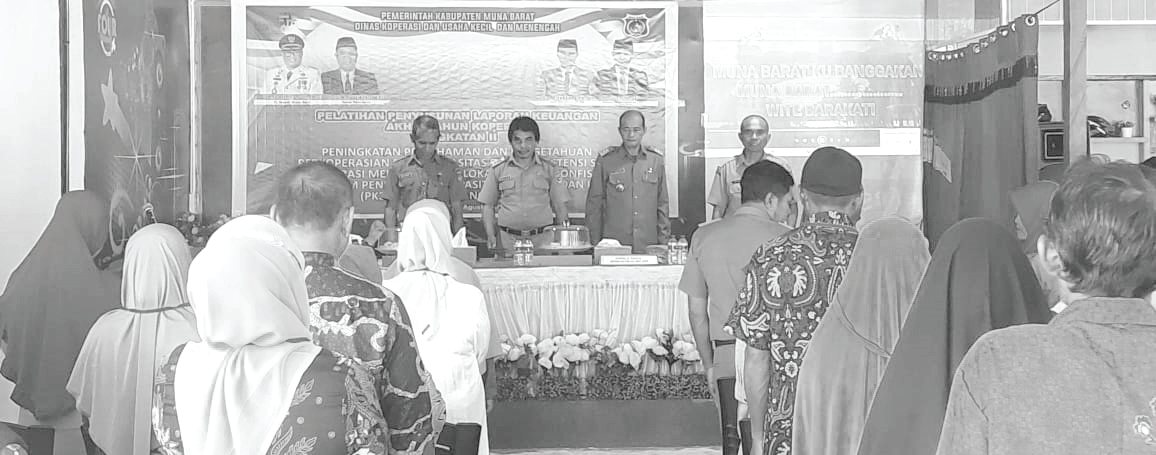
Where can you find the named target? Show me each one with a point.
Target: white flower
(600, 334)
(572, 340)
(583, 356)
(575, 355)
(583, 338)
(679, 347)
(638, 346)
(659, 333)
(620, 352)
(692, 356)
(546, 347)
(504, 339)
(649, 343)
(545, 362)
(559, 339)
(527, 340)
(560, 361)
(659, 350)
(515, 354)
(635, 360)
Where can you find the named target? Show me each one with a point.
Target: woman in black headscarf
(52, 300)
(978, 280)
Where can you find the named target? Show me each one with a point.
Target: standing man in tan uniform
(523, 193)
(725, 192)
(424, 175)
(628, 200)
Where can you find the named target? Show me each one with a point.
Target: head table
(629, 301)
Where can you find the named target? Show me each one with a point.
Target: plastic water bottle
(683, 246)
(671, 250)
(518, 258)
(520, 252)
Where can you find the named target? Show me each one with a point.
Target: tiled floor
(637, 451)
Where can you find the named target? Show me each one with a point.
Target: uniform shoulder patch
(608, 150)
(654, 150)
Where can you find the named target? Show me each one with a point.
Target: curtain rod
(961, 42)
(1053, 3)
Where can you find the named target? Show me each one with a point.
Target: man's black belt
(718, 343)
(524, 233)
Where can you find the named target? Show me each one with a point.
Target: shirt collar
(536, 160)
(743, 161)
(348, 75)
(750, 211)
(640, 156)
(414, 161)
(318, 259)
(1103, 310)
(831, 217)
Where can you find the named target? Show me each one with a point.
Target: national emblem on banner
(636, 25)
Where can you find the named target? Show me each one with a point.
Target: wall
(29, 133)
(1112, 49)
(29, 140)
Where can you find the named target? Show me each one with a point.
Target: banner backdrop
(842, 73)
(136, 122)
(472, 65)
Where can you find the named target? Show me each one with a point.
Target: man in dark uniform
(347, 79)
(424, 175)
(292, 78)
(521, 190)
(621, 79)
(627, 200)
(568, 80)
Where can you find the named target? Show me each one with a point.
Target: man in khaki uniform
(523, 193)
(628, 200)
(716, 270)
(725, 191)
(424, 175)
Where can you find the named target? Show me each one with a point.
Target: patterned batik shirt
(363, 321)
(790, 283)
(334, 411)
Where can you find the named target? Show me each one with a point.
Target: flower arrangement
(196, 229)
(568, 364)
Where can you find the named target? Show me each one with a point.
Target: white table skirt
(543, 301)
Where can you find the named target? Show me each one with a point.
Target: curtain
(980, 137)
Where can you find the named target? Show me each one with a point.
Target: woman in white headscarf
(449, 318)
(255, 383)
(458, 269)
(113, 377)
